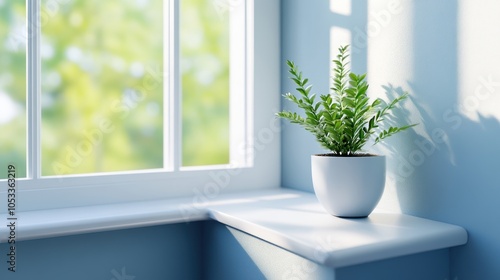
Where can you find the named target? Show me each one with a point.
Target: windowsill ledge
(289, 219)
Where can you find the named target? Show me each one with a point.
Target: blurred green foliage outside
(204, 48)
(102, 85)
(12, 87)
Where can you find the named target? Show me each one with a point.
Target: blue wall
(446, 54)
(153, 253)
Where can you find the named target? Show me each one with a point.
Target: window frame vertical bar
(33, 30)
(175, 96)
(250, 80)
(238, 113)
(168, 87)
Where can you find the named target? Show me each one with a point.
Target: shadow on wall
(448, 168)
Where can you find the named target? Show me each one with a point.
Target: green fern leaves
(344, 120)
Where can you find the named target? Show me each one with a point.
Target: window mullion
(249, 82)
(238, 85)
(176, 93)
(33, 98)
(171, 91)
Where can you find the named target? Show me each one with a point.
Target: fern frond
(344, 120)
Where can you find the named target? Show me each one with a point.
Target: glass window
(13, 86)
(102, 87)
(124, 100)
(205, 70)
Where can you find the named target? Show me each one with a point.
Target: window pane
(13, 86)
(204, 49)
(102, 86)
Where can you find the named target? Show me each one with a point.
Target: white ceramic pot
(348, 187)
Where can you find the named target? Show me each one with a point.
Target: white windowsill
(289, 219)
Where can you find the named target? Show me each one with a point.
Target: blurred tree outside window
(204, 47)
(12, 86)
(103, 85)
(102, 98)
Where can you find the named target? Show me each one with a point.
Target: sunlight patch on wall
(388, 41)
(389, 44)
(342, 7)
(478, 71)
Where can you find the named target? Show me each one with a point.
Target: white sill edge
(289, 219)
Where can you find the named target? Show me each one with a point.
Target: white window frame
(259, 138)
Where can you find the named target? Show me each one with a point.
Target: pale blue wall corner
(446, 54)
(153, 253)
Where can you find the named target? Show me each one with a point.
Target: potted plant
(348, 181)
